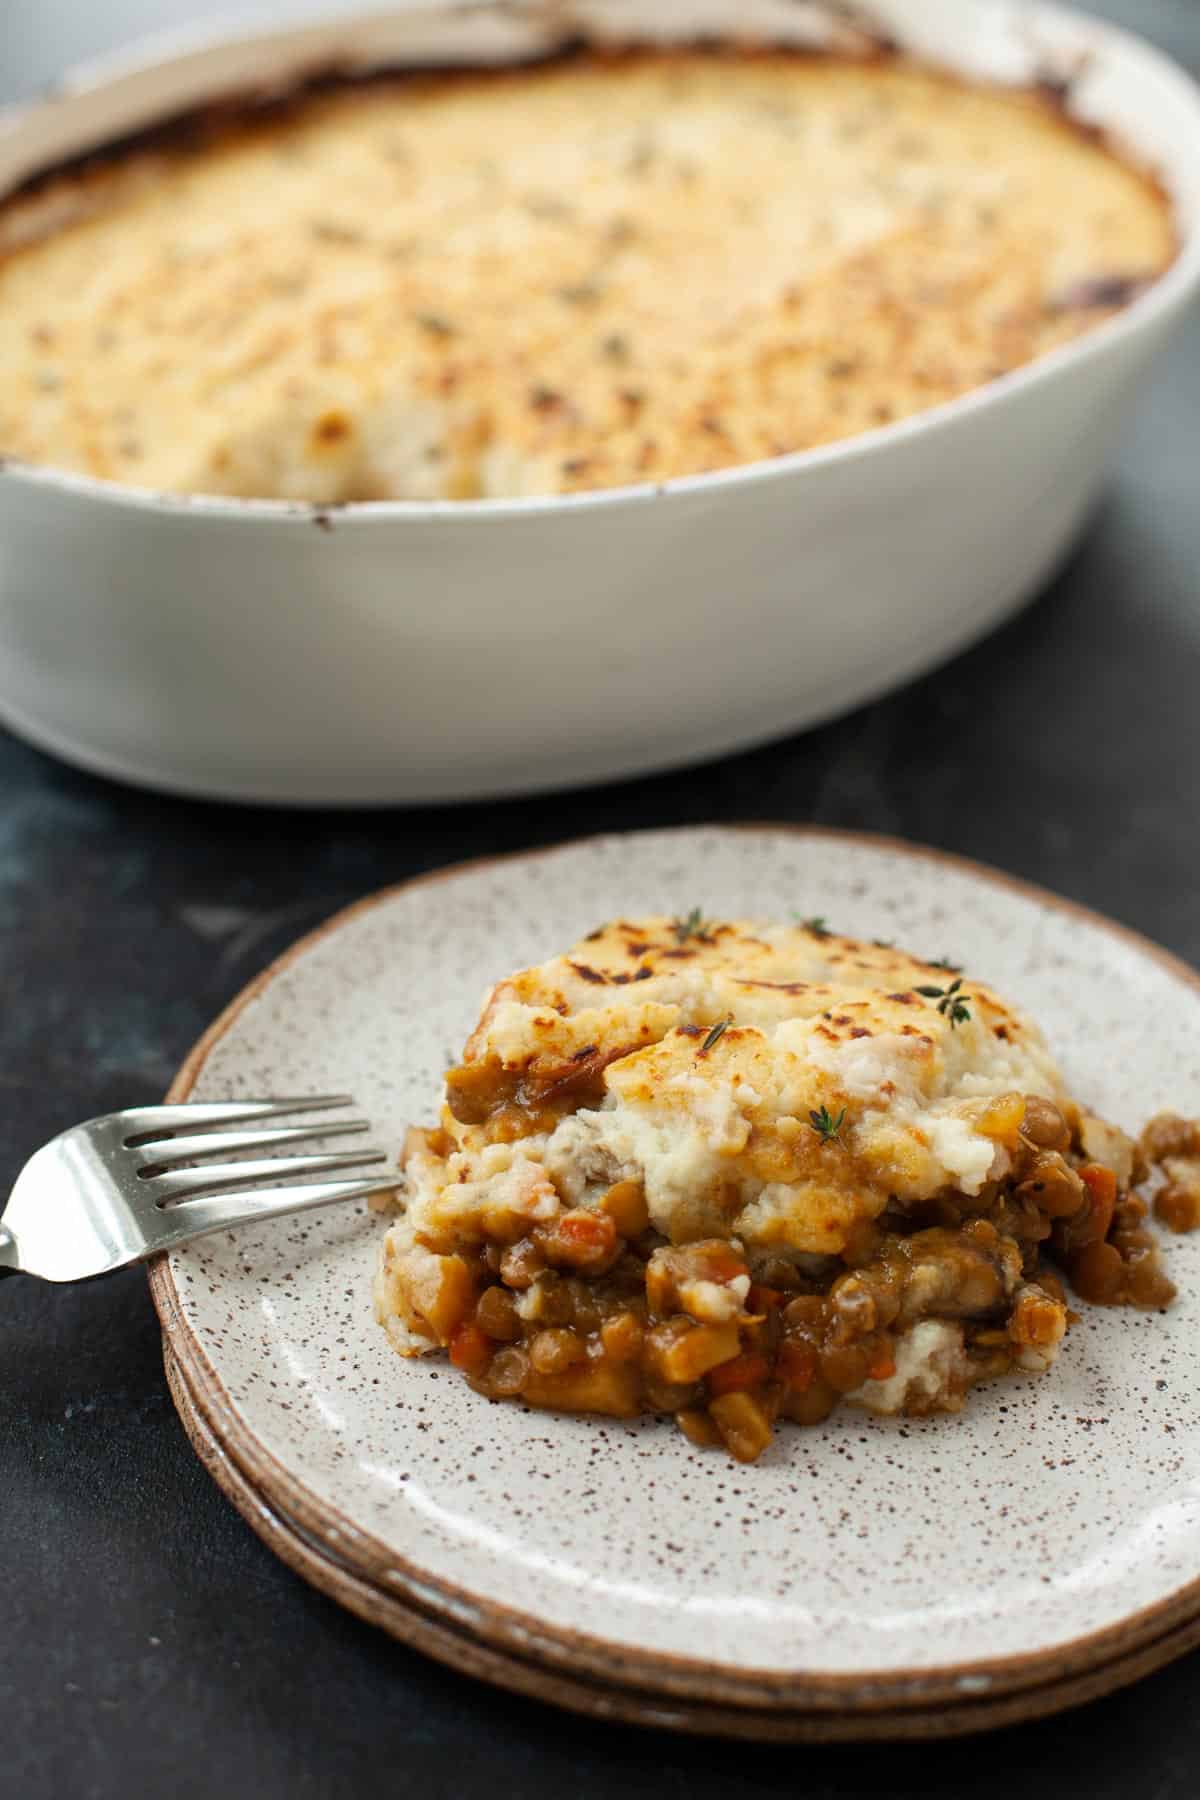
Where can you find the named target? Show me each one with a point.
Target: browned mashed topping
(607, 269)
(739, 1171)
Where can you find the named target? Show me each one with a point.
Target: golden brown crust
(555, 278)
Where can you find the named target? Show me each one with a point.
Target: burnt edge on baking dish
(857, 37)
(196, 128)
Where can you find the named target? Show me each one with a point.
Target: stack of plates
(869, 1577)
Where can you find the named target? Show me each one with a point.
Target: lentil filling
(596, 1313)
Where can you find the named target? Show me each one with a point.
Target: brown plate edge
(505, 1629)
(466, 1655)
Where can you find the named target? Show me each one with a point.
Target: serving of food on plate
(737, 1171)
(832, 1203)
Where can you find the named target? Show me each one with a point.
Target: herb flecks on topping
(582, 293)
(615, 347)
(818, 926)
(691, 925)
(436, 324)
(716, 1034)
(827, 1125)
(943, 962)
(951, 1003)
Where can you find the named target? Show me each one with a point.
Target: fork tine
(185, 1185)
(188, 1147)
(182, 1224)
(151, 1122)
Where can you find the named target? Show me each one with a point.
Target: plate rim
(592, 1699)
(507, 1629)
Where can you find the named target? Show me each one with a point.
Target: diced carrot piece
(745, 1371)
(671, 1270)
(470, 1348)
(1101, 1185)
(580, 1239)
(588, 1230)
(1037, 1320)
(1101, 1181)
(722, 1264)
(883, 1364)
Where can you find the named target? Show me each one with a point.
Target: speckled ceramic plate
(862, 1567)
(440, 1637)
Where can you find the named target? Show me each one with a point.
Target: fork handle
(8, 1254)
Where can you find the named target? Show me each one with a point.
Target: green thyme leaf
(951, 1002)
(436, 324)
(827, 1125)
(692, 925)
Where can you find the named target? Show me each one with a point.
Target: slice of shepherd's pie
(736, 1171)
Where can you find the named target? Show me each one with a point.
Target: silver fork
(107, 1193)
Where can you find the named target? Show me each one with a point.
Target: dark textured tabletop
(150, 1644)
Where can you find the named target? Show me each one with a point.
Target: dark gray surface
(150, 1645)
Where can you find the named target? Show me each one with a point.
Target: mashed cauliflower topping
(721, 1137)
(610, 268)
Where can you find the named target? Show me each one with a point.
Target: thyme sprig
(436, 324)
(716, 1034)
(827, 1125)
(951, 1001)
(692, 925)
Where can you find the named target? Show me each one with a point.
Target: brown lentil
(497, 1315)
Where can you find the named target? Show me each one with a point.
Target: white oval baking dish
(404, 651)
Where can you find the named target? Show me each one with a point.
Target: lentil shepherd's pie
(610, 267)
(738, 1172)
